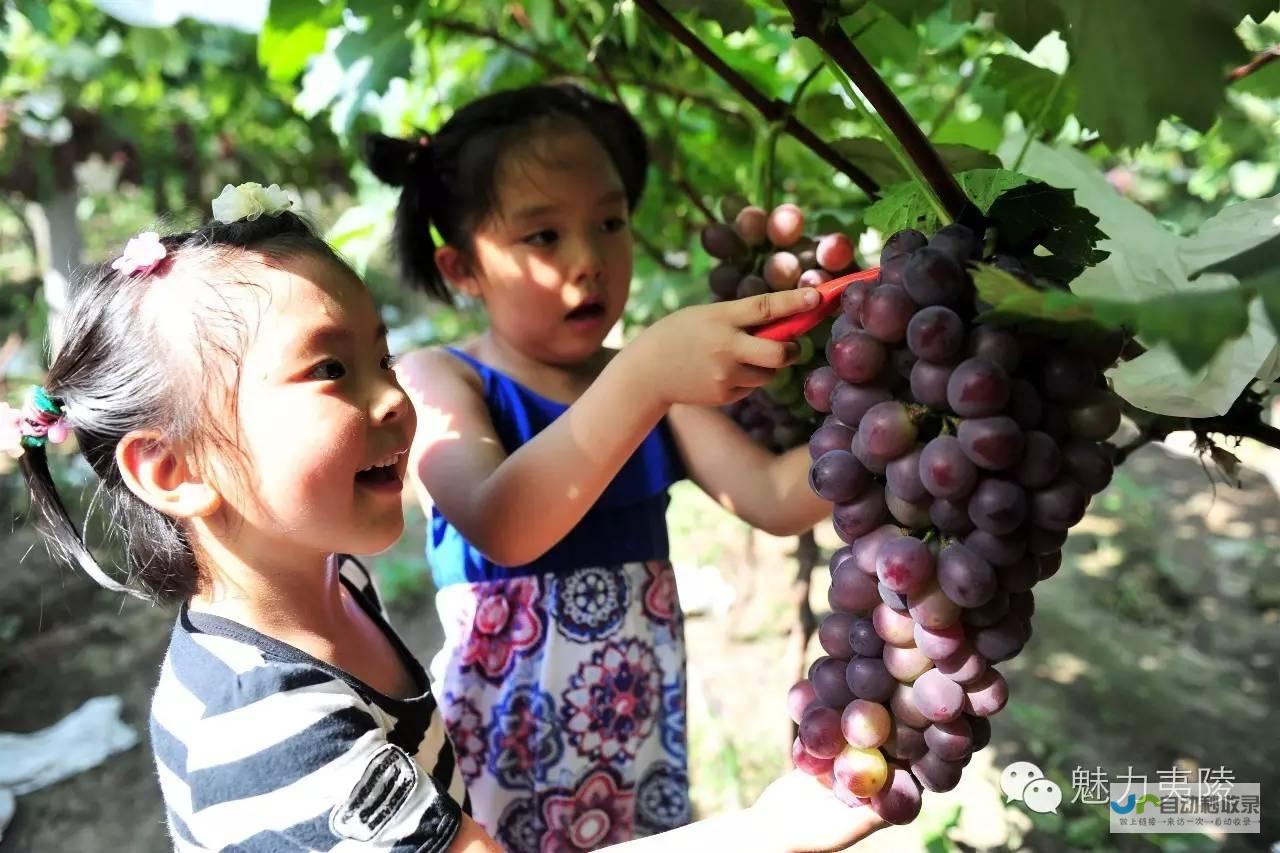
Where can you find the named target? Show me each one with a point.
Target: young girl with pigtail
(544, 460)
(232, 391)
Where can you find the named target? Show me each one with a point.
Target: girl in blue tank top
(544, 460)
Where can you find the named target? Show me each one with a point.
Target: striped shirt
(260, 747)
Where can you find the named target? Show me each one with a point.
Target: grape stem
(771, 108)
(1242, 420)
(835, 42)
(1266, 57)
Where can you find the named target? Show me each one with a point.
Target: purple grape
(851, 590)
(829, 437)
(951, 517)
(1041, 461)
(1053, 421)
(891, 271)
(995, 443)
(719, 240)
(986, 615)
(902, 360)
(828, 677)
(981, 728)
(839, 557)
(936, 774)
(1000, 641)
(859, 516)
(1089, 464)
(905, 663)
(1061, 506)
(996, 550)
(911, 515)
(1097, 417)
(903, 475)
(863, 638)
(1066, 377)
(904, 564)
(903, 706)
(977, 388)
(752, 285)
(998, 506)
(965, 577)
(724, 280)
(885, 313)
(901, 243)
(857, 357)
(1024, 404)
(939, 698)
(864, 550)
(963, 667)
(996, 345)
(850, 402)
(1041, 542)
(898, 802)
(1021, 575)
(930, 607)
(838, 477)
(936, 334)
(951, 739)
(939, 643)
(872, 462)
(853, 297)
(1049, 565)
(932, 277)
(820, 732)
(945, 470)
(929, 383)
(818, 386)
(905, 743)
(987, 696)
(956, 240)
(895, 628)
(833, 634)
(1022, 605)
(888, 430)
(894, 601)
(868, 679)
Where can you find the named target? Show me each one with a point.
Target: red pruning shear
(795, 325)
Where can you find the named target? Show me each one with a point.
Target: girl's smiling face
(553, 263)
(324, 427)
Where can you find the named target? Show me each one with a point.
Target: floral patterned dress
(562, 682)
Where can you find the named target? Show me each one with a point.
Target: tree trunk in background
(59, 246)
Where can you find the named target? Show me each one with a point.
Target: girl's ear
(154, 471)
(457, 269)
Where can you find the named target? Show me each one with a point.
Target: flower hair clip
(141, 255)
(249, 201)
(40, 420)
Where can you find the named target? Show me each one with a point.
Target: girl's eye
(328, 370)
(389, 362)
(614, 223)
(541, 238)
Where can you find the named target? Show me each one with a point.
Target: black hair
(448, 179)
(116, 371)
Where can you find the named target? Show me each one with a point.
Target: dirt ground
(1158, 642)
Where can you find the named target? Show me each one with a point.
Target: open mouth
(592, 309)
(385, 471)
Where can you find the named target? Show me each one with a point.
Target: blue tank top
(626, 524)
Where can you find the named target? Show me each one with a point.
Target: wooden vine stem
(772, 109)
(825, 32)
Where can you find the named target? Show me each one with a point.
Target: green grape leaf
(1134, 68)
(1222, 314)
(1258, 269)
(881, 36)
(1042, 98)
(1034, 217)
(1024, 21)
(874, 157)
(905, 205)
(294, 31)
(733, 16)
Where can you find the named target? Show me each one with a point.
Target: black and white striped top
(261, 747)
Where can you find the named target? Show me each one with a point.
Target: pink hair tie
(141, 255)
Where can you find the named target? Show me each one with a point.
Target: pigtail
(408, 164)
(54, 523)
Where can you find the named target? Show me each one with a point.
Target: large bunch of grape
(759, 251)
(957, 455)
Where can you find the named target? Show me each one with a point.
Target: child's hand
(704, 355)
(799, 813)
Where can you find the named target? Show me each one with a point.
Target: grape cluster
(957, 455)
(759, 251)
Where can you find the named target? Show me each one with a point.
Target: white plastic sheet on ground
(79, 741)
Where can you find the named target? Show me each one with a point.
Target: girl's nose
(391, 404)
(588, 263)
